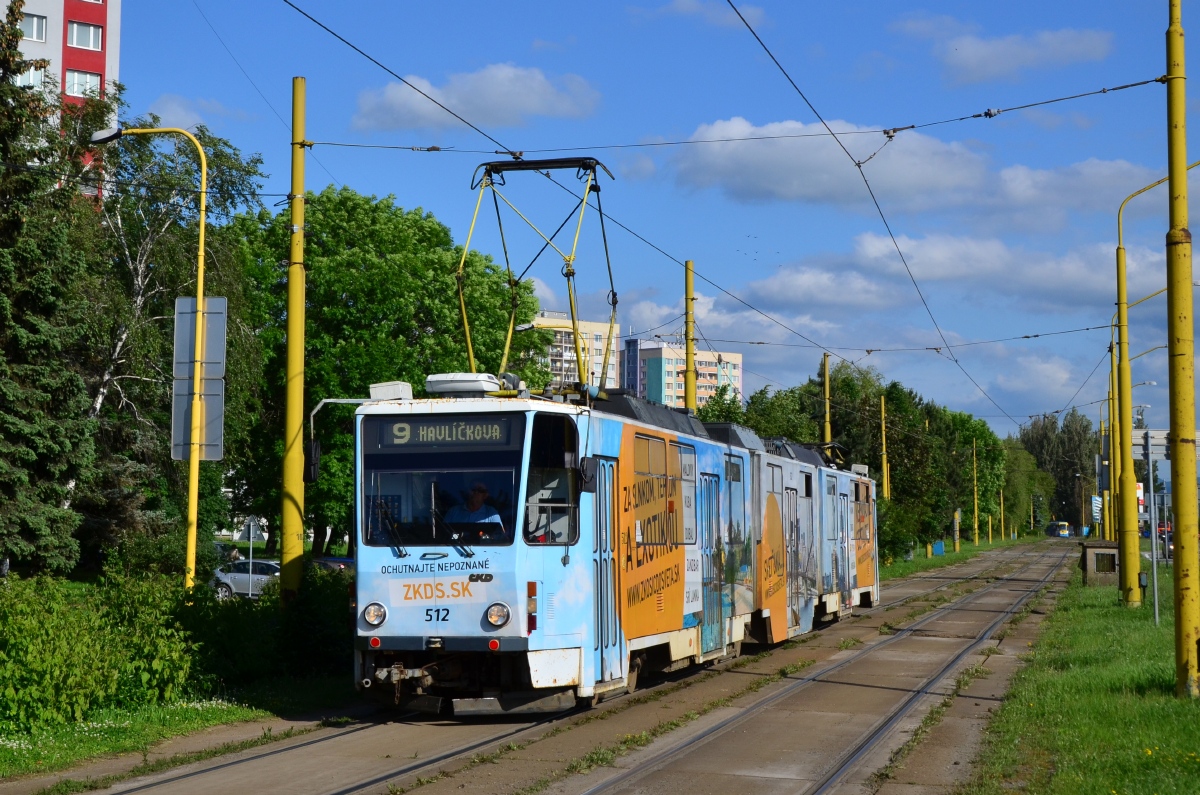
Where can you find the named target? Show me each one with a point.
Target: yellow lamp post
(1122, 420)
(105, 136)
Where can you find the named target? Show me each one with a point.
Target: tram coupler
(398, 673)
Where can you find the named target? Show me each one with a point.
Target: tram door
(712, 635)
(846, 552)
(608, 641)
(791, 525)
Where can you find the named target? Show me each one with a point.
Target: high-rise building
(81, 40)
(560, 358)
(655, 371)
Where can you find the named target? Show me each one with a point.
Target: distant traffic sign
(212, 419)
(212, 371)
(212, 357)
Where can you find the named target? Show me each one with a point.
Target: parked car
(227, 551)
(237, 578)
(335, 564)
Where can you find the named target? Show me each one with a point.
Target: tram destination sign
(397, 434)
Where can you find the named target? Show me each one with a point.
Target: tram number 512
(437, 614)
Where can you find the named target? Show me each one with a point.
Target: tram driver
(477, 511)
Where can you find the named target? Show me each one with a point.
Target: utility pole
(1127, 538)
(828, 436)
(689, 336)
(887, 478)
(989, 529)
(1115, 443)
(1181, 349)
(292, 529)
(1106, 468)
(957, 520)
(975, 480)
(1002, 514)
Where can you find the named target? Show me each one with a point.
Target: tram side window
(737, 500)
(552, 503)
(831, 516)
(681, 493)
(652, 524)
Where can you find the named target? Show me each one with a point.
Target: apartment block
(654, 370)
(81, 40)
(560, 357)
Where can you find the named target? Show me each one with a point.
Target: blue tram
(518, 552)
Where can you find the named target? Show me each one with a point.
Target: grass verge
(121, 731)
(1094, 711)
(906, 568)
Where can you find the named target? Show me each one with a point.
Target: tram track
(461, 755)
(648, 765)
(948, 583)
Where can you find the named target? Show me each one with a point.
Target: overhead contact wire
(859, 166)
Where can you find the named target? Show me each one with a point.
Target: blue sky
(1008, 223)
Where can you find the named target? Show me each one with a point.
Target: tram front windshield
(440, 480)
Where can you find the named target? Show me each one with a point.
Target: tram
(522, 552)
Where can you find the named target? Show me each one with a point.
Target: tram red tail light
(374, 643)
(532, 622)
(494, 645)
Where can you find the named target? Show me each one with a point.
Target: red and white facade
(80, 38)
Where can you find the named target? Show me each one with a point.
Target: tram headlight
(374, 614)
(498, 614)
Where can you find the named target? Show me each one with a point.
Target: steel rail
(948, 583)
(476, 745)
(868, 743)
(797, 685)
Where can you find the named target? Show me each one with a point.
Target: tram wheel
(635, 667)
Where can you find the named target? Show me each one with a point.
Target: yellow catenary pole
(1116, 442)
(827, 436)
(689, 335)
(975, 481)
(292, 509)
(1106, 466)
(1002, 513)
(957, 531)
(989, 528)
(887, 479)
(1127, 539)
(1181, 349)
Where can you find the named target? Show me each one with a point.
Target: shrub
(58, 661)
(69, 649)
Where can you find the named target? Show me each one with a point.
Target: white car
(237, 578)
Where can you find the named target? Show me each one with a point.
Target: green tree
(45, 434)
(382, 306)
(782, 412)
(723, 406)
(1065, 450)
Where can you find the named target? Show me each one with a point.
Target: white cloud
(716, 13)
(547, 298)
(931, 26)
(1081, 279)
(916, 169)
(913, 173)
(498, 95)
(175, 110)
(812, 287)
(638, 167)
(973, 59)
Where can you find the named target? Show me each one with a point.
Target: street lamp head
(105, 136)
